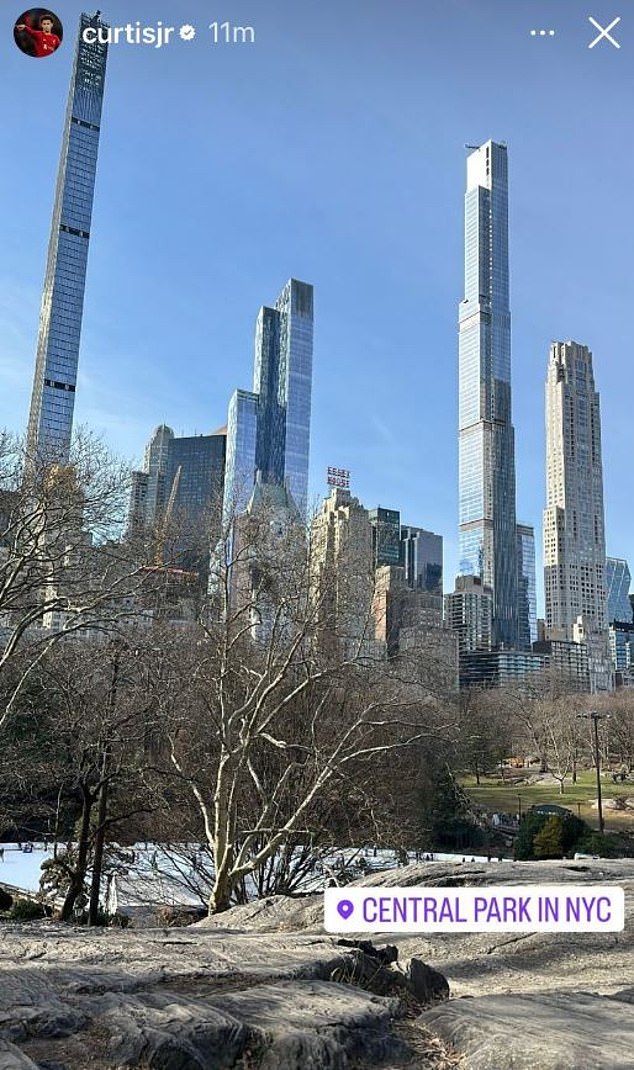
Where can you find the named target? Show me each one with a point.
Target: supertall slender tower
(295, 307)
(268, 428)
(574, 526)
(55, 380)
(488, 536)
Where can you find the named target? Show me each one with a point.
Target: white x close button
(604, 34)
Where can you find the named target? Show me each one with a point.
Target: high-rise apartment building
(342, 573)
(295, 307)
(574, 528)
(147, 497)
(268, 428)
(488, 536)
(270, 442)
(469, 613)
(526, 586)
(242, 427)
(618, 579)
(421, 557)
(55, 380)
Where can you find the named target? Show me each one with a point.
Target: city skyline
(382, 437)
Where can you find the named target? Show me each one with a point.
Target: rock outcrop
(262, 987)
(200, 998)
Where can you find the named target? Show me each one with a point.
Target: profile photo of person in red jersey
(38, 32)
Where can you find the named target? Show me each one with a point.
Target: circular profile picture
(38, 32)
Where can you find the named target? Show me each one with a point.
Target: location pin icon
(345, 908)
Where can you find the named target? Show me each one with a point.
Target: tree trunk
(78, 878)
(100, 835)
(220, 898)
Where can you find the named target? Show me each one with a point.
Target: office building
(488, 536)
(526, 587)
(55, 380)
(181, 482)
(386, 536)
(421, 557)
(574, 528)
(194, 475)
(618, 579)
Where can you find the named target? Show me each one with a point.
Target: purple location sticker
(345, 908)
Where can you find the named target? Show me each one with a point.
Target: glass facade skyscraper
(421, 557)
(618, 579)
(268, 428)
(195, 468)
(295, 307)
(527, 595)
(55, 380)
(270, 444)
(488, 537)
(386, 536)
(242, 426)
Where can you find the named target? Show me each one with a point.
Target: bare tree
(274, 708)
(81, 736)
(64, 568)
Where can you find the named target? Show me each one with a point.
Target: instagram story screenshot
(316, 535)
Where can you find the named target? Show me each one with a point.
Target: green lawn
(510, 797)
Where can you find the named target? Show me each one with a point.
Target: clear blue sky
(332, 150)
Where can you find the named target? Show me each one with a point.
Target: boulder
(428, 985)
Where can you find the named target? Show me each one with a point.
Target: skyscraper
(527, 595)
(295, 306)
(242, 427)
(342, 570)
(268, 428)
(617, 582)
(270, 443)
(574, 528)
(184, 476)
(55, 380)
(386, 536)
(421, 556)
(488, 537)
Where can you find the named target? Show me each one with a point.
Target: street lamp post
(595, 717)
